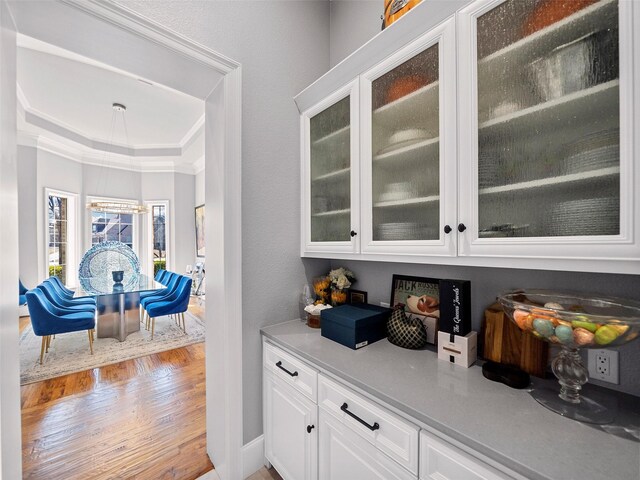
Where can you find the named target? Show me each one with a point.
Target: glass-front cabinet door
(546, 129)
(408, 149)
(330, 177)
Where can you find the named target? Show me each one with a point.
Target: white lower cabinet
(440, 460)
(291, 433)
(345, 455)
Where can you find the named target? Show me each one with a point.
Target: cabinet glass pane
(330, 173)
(406, 153)
(548, 119)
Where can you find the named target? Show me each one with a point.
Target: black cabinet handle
(373, 427)
(353, 233)
(279, 365)
(447, 229)
(461, 227)
(310, 427)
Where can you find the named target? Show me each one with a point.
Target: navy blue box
(355, 326)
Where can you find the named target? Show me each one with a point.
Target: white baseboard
(253, 456)
(210, 475)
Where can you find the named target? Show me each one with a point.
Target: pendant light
(115, 206)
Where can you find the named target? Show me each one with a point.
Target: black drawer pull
(279, 365)
(310, 427)
(345, 409)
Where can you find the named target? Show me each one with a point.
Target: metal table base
(118, 315)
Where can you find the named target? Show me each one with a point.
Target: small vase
(338, 296)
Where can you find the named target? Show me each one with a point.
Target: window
(159, 237)
(112, 227)
(60, 236)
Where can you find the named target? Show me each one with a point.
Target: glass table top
(104, 285)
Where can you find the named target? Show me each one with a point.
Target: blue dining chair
(63, 303)
(175, 304)
(48, 320)
(159, 275)
(156, 295)
(64, 293)
(22, 290)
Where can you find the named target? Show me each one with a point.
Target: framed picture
(357, 296)
(200, 231)
(420, 298)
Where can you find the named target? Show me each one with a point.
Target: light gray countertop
(504, 424)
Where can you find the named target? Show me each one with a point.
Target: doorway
(121, 38)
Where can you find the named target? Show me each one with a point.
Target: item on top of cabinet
(458, 349)
(506, 344)
(314, 314)
(577, 65)
(419, 297)
(355, 326)
(394, 9)
(616, 321)
(322, 289)
(406, 332)
(357, 297)
(455, 306)
(509, 375)
(549, 12)
(340, 279)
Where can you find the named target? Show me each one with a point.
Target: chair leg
(153, 325)
(184, 325)
(44, 342)
(48, 344)
(90, 332)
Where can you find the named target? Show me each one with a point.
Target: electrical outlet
(603, 365)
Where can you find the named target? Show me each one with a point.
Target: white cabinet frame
(444, 36)
(626, 245)
(353, 245)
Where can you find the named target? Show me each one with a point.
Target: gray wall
(283, 47)
(353, 23)
(27, 224)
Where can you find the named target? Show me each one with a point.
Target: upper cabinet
(330, 150)
(547, 135)
(407, 135)
(501, 136)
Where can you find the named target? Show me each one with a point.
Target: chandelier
(117, 206)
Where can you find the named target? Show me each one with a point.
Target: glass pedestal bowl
(572, 322)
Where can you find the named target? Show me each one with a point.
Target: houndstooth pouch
(406, 332)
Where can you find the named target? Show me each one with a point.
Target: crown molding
(132, 164)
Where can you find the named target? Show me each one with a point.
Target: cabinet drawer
(388, 432)
(293, 371)
(440, 460)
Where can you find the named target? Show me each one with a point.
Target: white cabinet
(440, 460)
(502, 136)
(344, 455)
(291, 432)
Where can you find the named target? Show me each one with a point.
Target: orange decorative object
(551, 11)
(394, 9)
(404, 86)
(338, 297)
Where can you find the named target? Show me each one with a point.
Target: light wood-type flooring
(138, 419)
(264, 474)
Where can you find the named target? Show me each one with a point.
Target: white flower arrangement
(341, 278)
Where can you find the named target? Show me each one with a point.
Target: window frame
(148, 235)
(134, 222)
(73, 206)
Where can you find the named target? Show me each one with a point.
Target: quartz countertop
(506, 425)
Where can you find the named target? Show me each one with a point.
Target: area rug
(69, 352)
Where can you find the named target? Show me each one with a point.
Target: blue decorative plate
(106, 257)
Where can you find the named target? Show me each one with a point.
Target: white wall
(283, 46)
(353, 23)
(39, 169)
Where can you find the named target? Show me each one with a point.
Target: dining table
(117, 303)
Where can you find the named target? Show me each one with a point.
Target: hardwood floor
(264, 474)
(137, 419)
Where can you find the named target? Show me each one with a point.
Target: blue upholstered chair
(22, 290)
(172, 284)
(70, 306)
(160, 275)
(48, 320)
(174, 304)
(63, 292)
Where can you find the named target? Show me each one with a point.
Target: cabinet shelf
(408, 202)
(553, 181)
(342, 134)
(331, 175)
(410, 110)
(570, 28)
(332, 213)
(408, 152)
(582, 104)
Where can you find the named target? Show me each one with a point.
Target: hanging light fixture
(117, 206)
